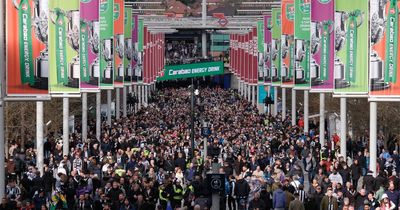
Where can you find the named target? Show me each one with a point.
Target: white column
(254, 91)
(293, 107)
(249, 93)
(124, 102)
(139, 96)
(65, 126)
(98, 115)
(109, 107)
(39, 136)
(130, 87)
(343, 122)
(117, 102)
(204, 44)
(136, 91)
(283, 104)
(84, 117)
(239, 87)
(306, 114)
(146, 95)
(373, 136)
(322, 118)
(268, 108)
(275, 101)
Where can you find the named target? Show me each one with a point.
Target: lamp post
(192, 95)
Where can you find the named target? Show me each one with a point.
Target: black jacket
(242, 188)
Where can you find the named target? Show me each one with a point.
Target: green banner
(83, 52)
(140, 36)
(192, 70)
(64, 46)
(302, 44)
(128, 73)
(260, 35)
(276, 28)
(392, 49)
(25, 43)
(106, 44)
(352, 44)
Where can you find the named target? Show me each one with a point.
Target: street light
(193, 93)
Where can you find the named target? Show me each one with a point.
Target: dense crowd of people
(182, 52)
(145, 161)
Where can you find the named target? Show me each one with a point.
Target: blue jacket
(279, 199)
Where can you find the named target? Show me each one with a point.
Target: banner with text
(106, 44)
(27, 54)
(276, 60)
(351, 46)
(287, 43)
(302, 44)
(90, 45)
(267, 49)
(322, 45)
(384, 56)
(128, 46)
(64, 46)
(119, 42)
(192, 70)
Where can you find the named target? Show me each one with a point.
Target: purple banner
(135, 27)
(267, 48)
(322, 45)
(90, 41)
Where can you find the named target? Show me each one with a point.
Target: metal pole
(117, 102)
(192, 118)
(373, 136)
(275, 101)
(343, 122)
(39, 136)
(268, 107)
(65, 126)
(136, 91)
(84, 117)
(109, 107)
(306, 114)
(98, 115)
(293, 107)
(283, 104)
(322, 119)
(3, 141)
(124, 103)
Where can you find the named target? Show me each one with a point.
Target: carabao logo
(290, 11)
(86, 1)
(278, 19)
(103, 5)
(117, 11)
(305, 6)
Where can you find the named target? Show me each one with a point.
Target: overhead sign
(192, 70)
(322, 45)
(352, 44)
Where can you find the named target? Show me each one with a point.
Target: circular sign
(223, 22)
(216, 184)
